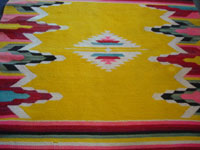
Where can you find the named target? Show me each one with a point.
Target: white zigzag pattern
(28, 74)
(180, 75)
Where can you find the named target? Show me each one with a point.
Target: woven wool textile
(100, 75)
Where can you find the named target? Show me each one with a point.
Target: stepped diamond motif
(106, 39)
(108, 60)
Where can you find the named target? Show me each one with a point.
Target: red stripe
(107, 57)
(190, 2)
(7, 82)
(97, 128)
(136, 1)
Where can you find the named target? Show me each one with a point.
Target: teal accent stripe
(8, 96)
(107, 54)
(184, 7)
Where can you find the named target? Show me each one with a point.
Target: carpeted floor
(100, 75)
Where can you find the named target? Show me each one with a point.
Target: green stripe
(100, 136)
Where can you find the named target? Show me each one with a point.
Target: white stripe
(40, 101)
(28, 76)
(166, 17)
(35, 42)
(18, 111)
(190, 112)
(174, 43)
(171, 101)
(28, 88)
(60, 58)
(64, 27)
(180, 77)
(56, 96)
(157, 96)
(40, 12)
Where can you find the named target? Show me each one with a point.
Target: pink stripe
(61, 123)
(6, 57)
(114, 1)
(8, 17)
(141, 147)
(189, 31)
(193, 15)
(194, 96)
